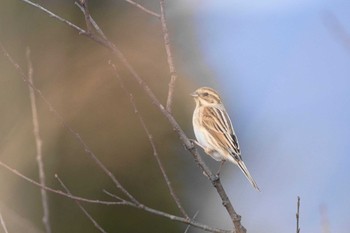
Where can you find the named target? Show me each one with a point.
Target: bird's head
(206, 96)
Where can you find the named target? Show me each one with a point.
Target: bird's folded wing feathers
(218, 123)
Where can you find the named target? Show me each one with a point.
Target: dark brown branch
(297, 215)
(236, 219)
(38, 144)
(173, 74)
(151, 141)
(81, 207)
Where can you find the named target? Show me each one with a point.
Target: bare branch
(81, 207)
(143, 8)
(133, 203)
(70, 24)
(90, 22)
(236, 219)
(71, 130)
(151, 141)
(59, 192)
(193, 218)
(56, 191)
(80, 30)
(123, 202)
(175, 218)
(173, 74)
(198, 225)
(2, 222)
(38, 144)
(113, 195)
(297, 215)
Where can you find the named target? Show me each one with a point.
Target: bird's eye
(205, 94)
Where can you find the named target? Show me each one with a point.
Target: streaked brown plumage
(214, 132)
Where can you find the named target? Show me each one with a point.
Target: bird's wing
(218, 124)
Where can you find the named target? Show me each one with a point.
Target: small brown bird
(214, 132)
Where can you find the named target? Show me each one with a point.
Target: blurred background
(282, 68)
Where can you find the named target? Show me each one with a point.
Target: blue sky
(285, 79)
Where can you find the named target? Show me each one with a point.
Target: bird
(214, 131)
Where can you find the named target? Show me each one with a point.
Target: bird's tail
(245, 171)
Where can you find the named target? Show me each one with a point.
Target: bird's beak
(194, 94)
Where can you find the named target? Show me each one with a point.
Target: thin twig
(56, 191)
(80, 30)
(235, 218)
(133, 203)
(297, 215)
(175, 218)
(173, 74)
(38, 144)
(193, 218)
(124, 202)
(65, 125)
(151, 141)
(81, 207)
(90, 22)
(2, 222)
(113, 195)
(143, 8)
